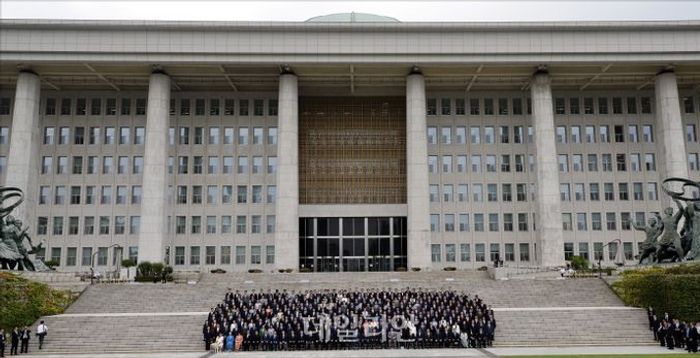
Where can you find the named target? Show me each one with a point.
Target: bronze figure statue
(692, 231)
(664, 241)
(648, 248)
(13, 252)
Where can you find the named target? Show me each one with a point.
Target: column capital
(415, 70)
(158, 70)
(665, 70)
(541, 77)
(286, 70)
(26, 69)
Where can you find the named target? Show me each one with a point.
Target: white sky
(494, 10)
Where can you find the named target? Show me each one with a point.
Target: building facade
(346, 143)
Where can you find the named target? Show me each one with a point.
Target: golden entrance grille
(352, 150)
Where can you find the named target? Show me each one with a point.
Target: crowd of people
(673, 333)
(348, 319)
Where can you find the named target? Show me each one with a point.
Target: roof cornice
(353, 26)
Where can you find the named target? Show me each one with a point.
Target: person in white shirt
(42, 331)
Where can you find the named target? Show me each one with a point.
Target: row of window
(87, 255)
(122, 135)
(477, 193)
(638, 191)
(465, 252)
(104, 225)
(210, 255)
(598, 250)
(621, 162)
(92, 165)
(195, 224)
(224, 255)
(518, 164)
(445, 106)
(97, 106)
(564, 134)
(572, 105)
(212, 192)
(519, 221)
(509, 254)
(464, 224)
(477, 136)
(90, 195)
(573, 134)
(596, 220)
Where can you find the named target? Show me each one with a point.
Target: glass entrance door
(352, 244)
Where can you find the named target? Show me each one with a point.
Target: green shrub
(149, 272)
(22, 301)
(255, 271)
(449, 268)
(168, 270)
(52, 263)
(673, 290)
(157, 269)
(126, 263)
(401, 269)
(144, 269)
(304, 269)
(579, 263)
(415, 269)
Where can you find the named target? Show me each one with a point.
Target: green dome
(352, 17)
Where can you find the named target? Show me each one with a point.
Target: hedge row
(675, 290)
(22, 302)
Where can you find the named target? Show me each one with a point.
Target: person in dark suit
(2, 342)
(14, 342)
(694, 337)
(679, 333)
(670, 333)
(655, 327)
(205, 335)
(661, 333)
(25, 335)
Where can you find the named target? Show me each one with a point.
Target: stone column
(23, 157)
(550, 241)
(287, 207)
(155, 170)
(417, 173)
(670, 127)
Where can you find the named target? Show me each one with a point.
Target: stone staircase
(147, 298)
(100, 334)
(572, 327)
(169, 317)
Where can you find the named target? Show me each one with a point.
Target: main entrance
(352, 244)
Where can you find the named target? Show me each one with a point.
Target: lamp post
(92, 261)
(619, 245)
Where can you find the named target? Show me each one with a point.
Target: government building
(348, 142)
